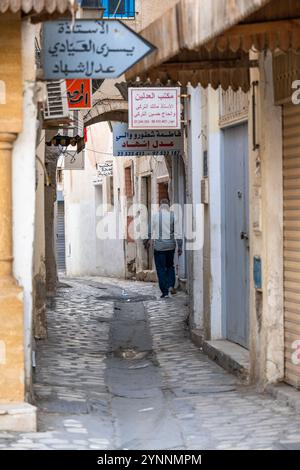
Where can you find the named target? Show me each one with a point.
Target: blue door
(236, 222)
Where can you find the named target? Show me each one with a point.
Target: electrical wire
(39, 143)
(48, 181)
(97, 151)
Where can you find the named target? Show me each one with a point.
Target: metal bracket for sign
(185, 96)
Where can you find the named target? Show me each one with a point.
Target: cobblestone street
(118, 371)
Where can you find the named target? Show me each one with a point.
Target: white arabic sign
(97, 179)
(154, 108)
(90, 49)
(105, 169)
(132, 143)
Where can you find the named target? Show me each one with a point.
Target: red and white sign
(79, 93)
(154, 108)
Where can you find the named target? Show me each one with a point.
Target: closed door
(291, 240)
(179, 197)
(236, 221)
(146, 201)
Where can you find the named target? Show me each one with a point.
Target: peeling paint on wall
(2, 92)
(2, 352)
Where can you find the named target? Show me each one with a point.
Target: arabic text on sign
(154, 108)
(90, 48)
(138, 143)
(79, 92)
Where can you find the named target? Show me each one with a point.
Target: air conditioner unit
(56, 106)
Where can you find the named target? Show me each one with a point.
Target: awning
(36, 6)
(208, 41)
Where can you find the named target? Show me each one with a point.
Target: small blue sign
(257, 275)
(90, 49)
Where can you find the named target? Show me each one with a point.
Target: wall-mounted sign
(128, 143)
(73, 160)
(79, 93)
(105, 169)
(90, 49)
(154, 108)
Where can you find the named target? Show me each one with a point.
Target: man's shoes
(164, 296)
(172, 291)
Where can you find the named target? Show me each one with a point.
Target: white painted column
(194, 175)
(24, 178)
(215, 211)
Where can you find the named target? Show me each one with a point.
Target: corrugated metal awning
(36, 6)
(208, 41)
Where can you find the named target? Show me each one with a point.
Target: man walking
(165, 235)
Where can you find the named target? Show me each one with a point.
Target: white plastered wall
(24, 178)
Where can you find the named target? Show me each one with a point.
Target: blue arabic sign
(90, 49)
(127, 143)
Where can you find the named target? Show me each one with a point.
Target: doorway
(146, 201)
(236, 227)
(179, 197)
(99, 213)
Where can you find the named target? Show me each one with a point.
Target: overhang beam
(263, 27)
(207, 65)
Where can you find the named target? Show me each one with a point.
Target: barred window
(119, 8)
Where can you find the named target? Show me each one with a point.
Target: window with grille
(119, 8)
(128, 182)
(163, 191)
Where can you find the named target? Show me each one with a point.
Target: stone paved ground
(118, 371)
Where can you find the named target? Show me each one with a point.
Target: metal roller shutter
(60, 237)
(291, 225)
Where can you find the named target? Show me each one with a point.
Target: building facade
(249, 284)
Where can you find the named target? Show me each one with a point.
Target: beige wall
(17, 202)
(85, 254)
(39, 269)
(150, 10)
(266, 237)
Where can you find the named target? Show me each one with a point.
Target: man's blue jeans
(164, 262)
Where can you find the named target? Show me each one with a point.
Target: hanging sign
(79, 93)
(154, 108)
(129, 143)
(105, 169)
(90, 49)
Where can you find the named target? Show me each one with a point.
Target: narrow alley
(118, 371)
